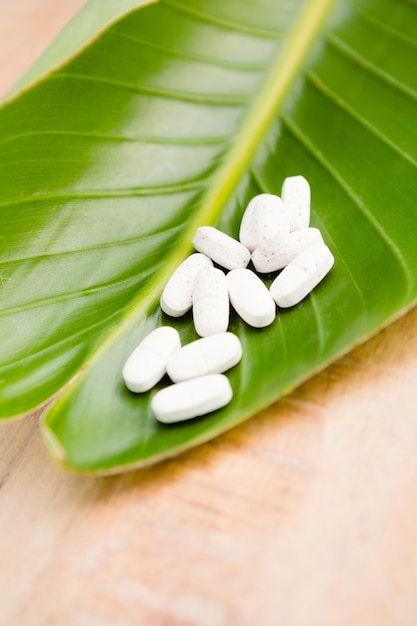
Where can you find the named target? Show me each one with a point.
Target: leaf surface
(175, 116)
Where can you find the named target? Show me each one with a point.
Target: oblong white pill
(176, 297)
(147, 363)
(296, 196)
(210, 302)
(223, 249)
(250, 298)
(270, 221)
(272, 260)
(211, 355)
(191, 398)
(301, 276)
(247, 235)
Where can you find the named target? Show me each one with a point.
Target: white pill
(211, 355)
(250, 298)
(270, 221)
(223, 249)
(247, 234)
(176, 297)
(296, 197)
(272, 260)
(265, 222)
(191, 398)
(210, 302)
(147, 363)
(301, 276)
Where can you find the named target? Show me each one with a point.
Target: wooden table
(304, 516)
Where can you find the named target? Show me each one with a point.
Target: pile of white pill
(275, 234)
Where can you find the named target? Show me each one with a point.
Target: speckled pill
(301, 276)
(247, 235)
(265, 222)
(266, 261)
(270, 221)
(221, 248)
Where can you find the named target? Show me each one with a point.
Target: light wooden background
(304, 516)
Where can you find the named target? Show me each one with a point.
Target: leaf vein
(314, 80)
(175, 141)
(213, 100)
(239, 67)
(81, 293)
(50, 348)
(319, 324)
(111, 244)
(350, 53)
(381, 25)
(219, 22)
(130, 192)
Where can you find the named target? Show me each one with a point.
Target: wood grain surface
(304, 516)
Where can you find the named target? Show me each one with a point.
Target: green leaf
(173, 117)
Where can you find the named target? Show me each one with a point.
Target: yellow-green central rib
(264, 109)
(262, 112)
(282, 74)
